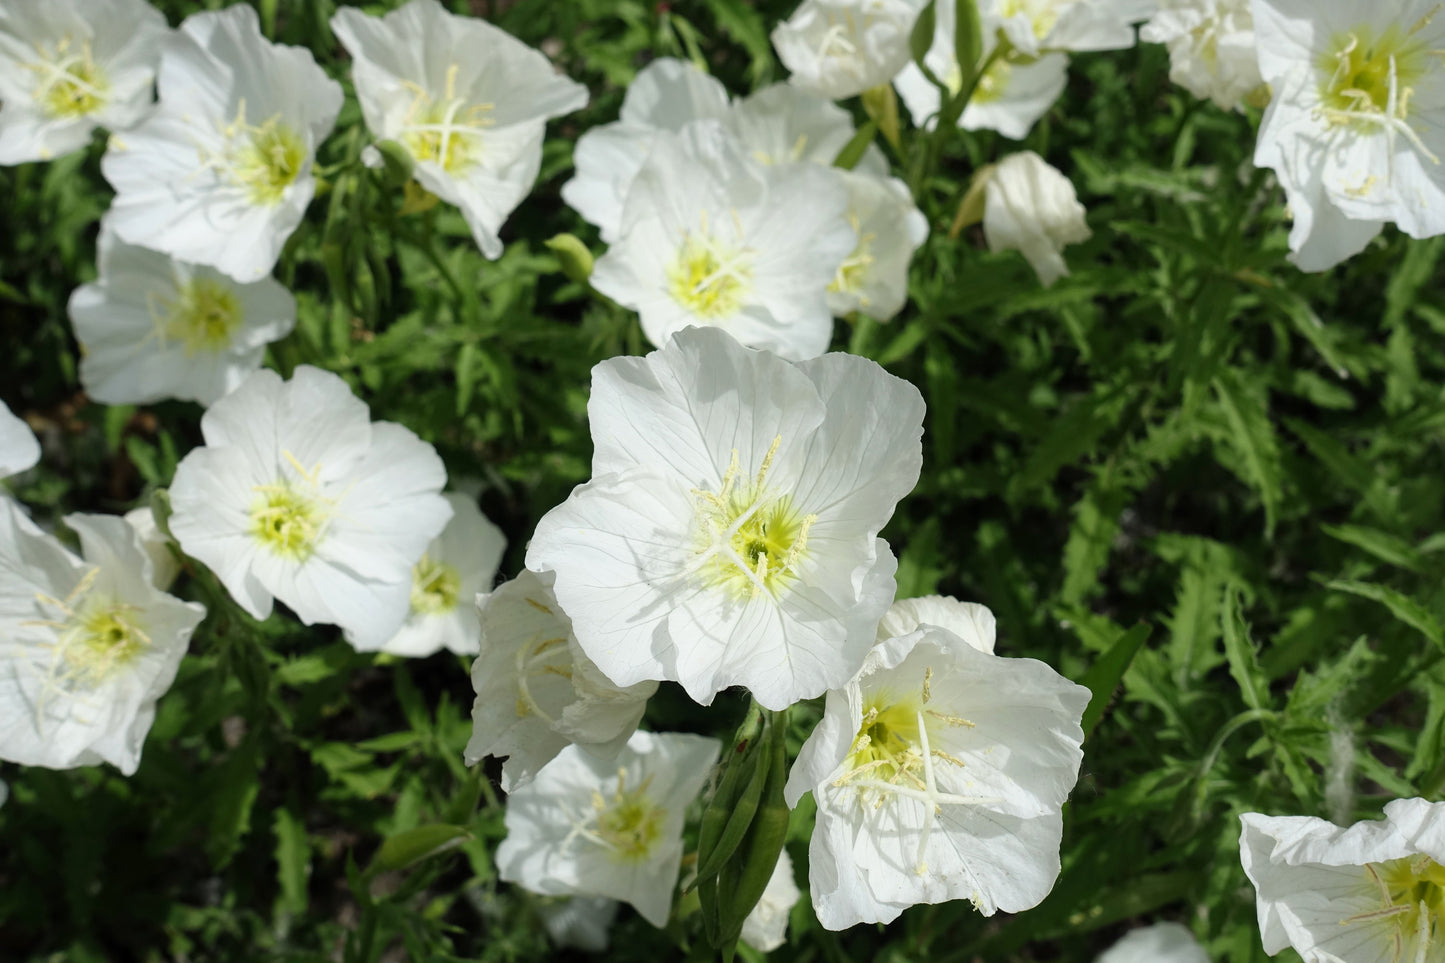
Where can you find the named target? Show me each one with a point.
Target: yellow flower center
(203, 316)
(263, 159)
(709, 276)
(1041, 14)
(853, 273)
(435, 586)
(68, 82)
(750, 540)
(1366, 80)
(102, 636)
(446, 131)
(630, 823)
(1412, 897)
(289, 518)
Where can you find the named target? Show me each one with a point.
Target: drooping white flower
(1211, 48)
(220, 172)
(467, 100)
(459, 563)
(839, 48)
(164, 565)
(1036, 26)
(69, 66)
(1356, 126)
(712, 237)
(152, 327)
(664, 97)
(1160, 943)
(1371, 892)
(1031, 208)
(1010, 97)
(939, 772)
(87, 646)
(729, 533)
(297, 495)
(537, 691)
(588, 827)
(887, 229)
(766, 927)
(582, 922)
(19, 448)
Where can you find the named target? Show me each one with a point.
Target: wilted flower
(297, 495)
(220, 172)
(588, 827)
(69, 66)
(729, 533)
(839, 48)
(1160, 943)
(1031, 208)
(1356, 126)
(459, 563)
(19, 448)
(89, 645)
(537, 692)
(467, 100)
(1211, 48)
(939, 772)
(766, 927)
(152, 327)
(1374, 891)
(712, 237)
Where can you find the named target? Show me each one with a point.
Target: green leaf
(1403, 607)
(1107, 671)
(293, 860)
(1239, 650)
(852, 151)
(408, 848)
(1252, 436)
(921, 39)
(1384, 546)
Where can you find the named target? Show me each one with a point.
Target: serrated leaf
(1384, 546)
(1252, 436)
(1107, 671)
(1240, 652)
(1403, 607)
(408, 848)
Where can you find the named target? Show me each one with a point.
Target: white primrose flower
(664, 97)
(589, 827)
(459, 563)
(729, 533)
(19, 448)
(220, 172)
(1356, 126)
(152, 327)
(537, 692)
(887, 229)
(581, 922)
(939, 772)
(1160, 943)
(1010, 97)
(1031, 208)
(1035, 26)
(1372, 892)
(839, 48)
(69, 66)
(164, 565)
(297, 495)
(766, 927)
(784, 124)
(1211, 48)
(712, 237)
(88, 646)
(467, 100)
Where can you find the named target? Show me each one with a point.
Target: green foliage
(1208, 486)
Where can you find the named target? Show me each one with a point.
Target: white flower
(588, 827)
(297, 495)
(152, 327)
(578, 921)
(887, 229)
(1211, 48)
(1031, 208)
(220, 172)
(466, 99)
(664, 97)
(766, 927)
(164, 565)
(1372, 892)
(1160, 943)
(729, 533)
(19, 448)
(939, 772)
(839, 48)
(1035, 26)
(712, 237)
(782, 124)
(459, 563)
(88, 646)
(1356, 128)
(1010, 97)
(69, 66)
(537, 691)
